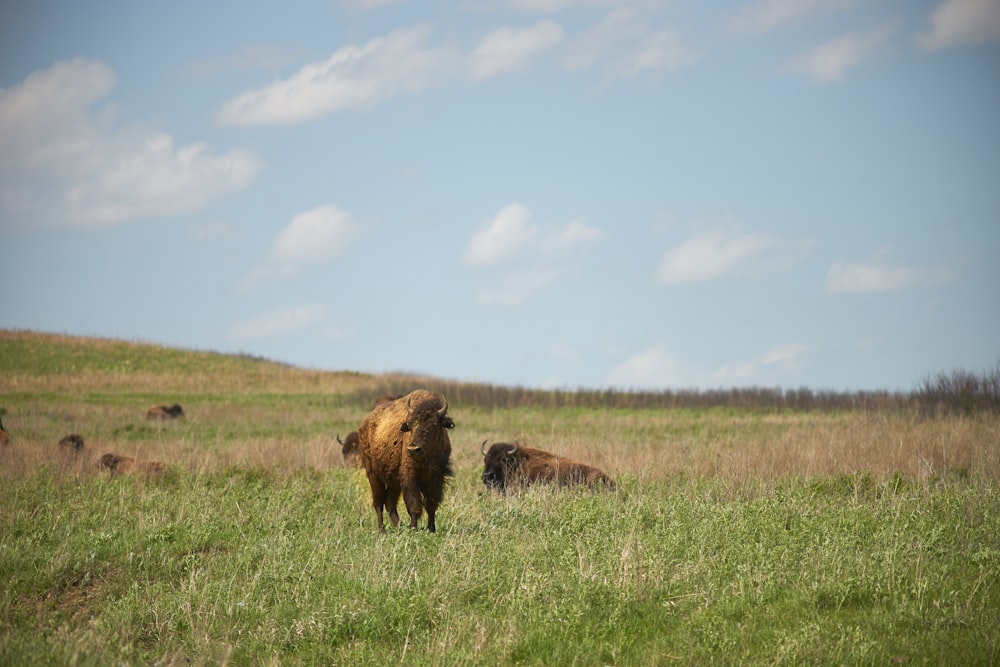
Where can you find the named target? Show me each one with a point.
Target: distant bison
(164, 412)
(507, 464)
(127, 465)
(4, 438)
(72, 443)
(405, 449)
(350, 450)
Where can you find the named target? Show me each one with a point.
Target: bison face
(426, 422)
(499, 464)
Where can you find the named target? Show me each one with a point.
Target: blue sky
(548, 193)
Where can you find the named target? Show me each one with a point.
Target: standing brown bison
(350, 450)
(165, 412)
(507, 464)
(405, 449)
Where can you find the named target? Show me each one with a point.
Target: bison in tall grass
(72, 443)
(405, 449)
(164, 412)
(128, 465)
(350, 450)
(507, 465)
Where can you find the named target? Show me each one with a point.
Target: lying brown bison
(127, 465)
(350, 450)
(405, 449)
(72, 443)
(509, 464)
(164, 412)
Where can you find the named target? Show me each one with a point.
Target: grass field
(736, 535)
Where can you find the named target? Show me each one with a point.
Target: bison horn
(444, 408)
(482, 447)
(514, 449)
(339, 440)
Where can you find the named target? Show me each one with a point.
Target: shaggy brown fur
(127, 465)
(72, 443)
(165, 412)
(405, 449)
(350, 450)
(507, 464)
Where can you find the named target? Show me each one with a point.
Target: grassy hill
(750, 535)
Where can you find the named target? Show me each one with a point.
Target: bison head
(426, 422)
(109, 461)
(500, 463)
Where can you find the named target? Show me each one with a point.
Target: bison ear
(447, 422)
(405, 427)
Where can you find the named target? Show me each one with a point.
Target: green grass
(260, 547)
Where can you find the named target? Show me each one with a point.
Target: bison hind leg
(391, 502)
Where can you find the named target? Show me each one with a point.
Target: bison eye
(405, 428)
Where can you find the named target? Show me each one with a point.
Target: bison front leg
(414, 505)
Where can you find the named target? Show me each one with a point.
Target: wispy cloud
(405, 62)
(353, 77)
(830, 61)
(766, 15)
(656, 368)
(717, 255)
(863, 277)
(529, 254)
(782, 357)
(62, 163)
(960, 22)
(625, 43)
(277, 323)
(319, 235)
(518, 287)
(507, 49)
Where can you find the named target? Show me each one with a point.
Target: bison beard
(406, 450)
(506, 465)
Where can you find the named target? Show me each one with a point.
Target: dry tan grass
(252, 413)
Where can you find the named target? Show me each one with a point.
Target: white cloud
(531, 256)
(767, 15)
(874, 277)
(63, 164)
(502, 237)
(276, 323)
(353, 77)
(507, 49)
(830, 61)
(315, 236)
(318, 235)
(959, 22)
(715, 255)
